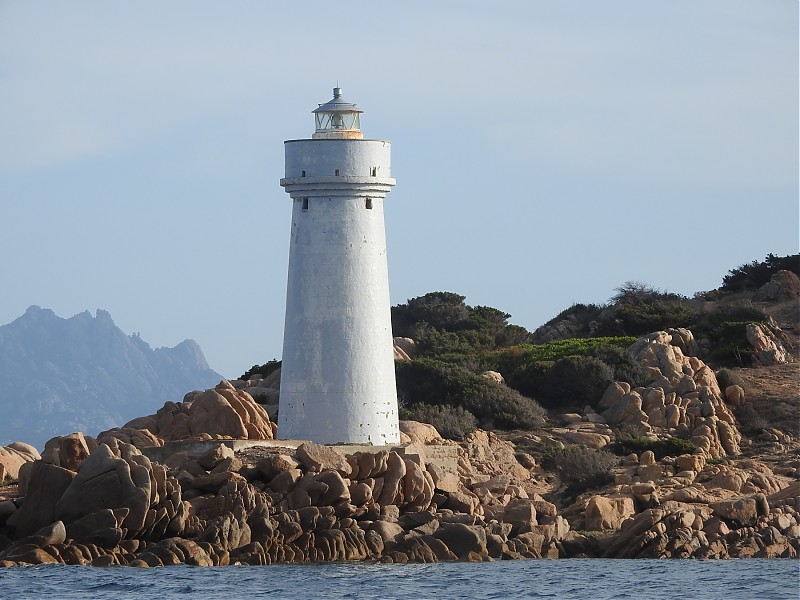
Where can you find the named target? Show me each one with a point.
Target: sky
(545, 152)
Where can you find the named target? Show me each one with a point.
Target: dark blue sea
(591, 579)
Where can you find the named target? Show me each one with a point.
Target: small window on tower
(369, 203)
(305, 203)
(374, 172)
(336, 172)
(303, 174)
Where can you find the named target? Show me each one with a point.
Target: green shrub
(443, 345)
(727, 378)
(434, 383)
(581, 311)
(661, 447)
(581, 317)
(575, 381)
(452, 422)
(752, 276)
(572, 372)
(441, 310)
(530, 381)
(750, 422)
(581, 468)
(442, 324)
(510, 359)
(645, 316)
(623, 366)
(499, 406)
(726, 329)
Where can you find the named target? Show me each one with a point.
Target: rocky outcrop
(571, 326)
(783, 286)
(682, 398)
(404, 348)
(768, 348)
(220, 413)
(265, 391)
(103, 502)
(277, 504)
(703, 511)
(13, 457)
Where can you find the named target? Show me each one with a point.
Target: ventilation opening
(336, 172)
(305, 203)
(302, 174)
(368, 203)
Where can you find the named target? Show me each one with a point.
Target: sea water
(584, 579)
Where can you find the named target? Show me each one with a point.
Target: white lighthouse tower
(337, 377)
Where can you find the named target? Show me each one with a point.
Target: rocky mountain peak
(83, 373)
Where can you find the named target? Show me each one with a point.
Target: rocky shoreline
(204, 482)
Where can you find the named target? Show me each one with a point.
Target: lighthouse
(337, 375)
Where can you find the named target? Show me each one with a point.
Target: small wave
(563, 579)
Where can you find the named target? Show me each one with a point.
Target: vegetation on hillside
(428, 382)
(456, 343)
(580, 468)
(751, 276)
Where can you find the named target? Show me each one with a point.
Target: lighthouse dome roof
(337, 104)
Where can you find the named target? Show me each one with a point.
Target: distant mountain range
(84, 374)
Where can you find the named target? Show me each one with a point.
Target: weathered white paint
(337, 378)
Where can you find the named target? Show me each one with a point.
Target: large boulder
(783, 286)
(767, 348)
(628, 411)
(220, 413)
(421, 433)
(13, 456)
(520, 513)
(107, 481)
(463, 539)
(316, 457)
(742, 512)
(608, 512)
(404, 348)
(46, 484)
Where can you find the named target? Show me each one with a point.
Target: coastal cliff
(689, 462)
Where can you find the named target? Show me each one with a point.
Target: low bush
(623, 366)
(575, 381)
(499, 406)
(434, 383)
(442, 324)
(726, 329)
(581, 468)
(750, 422)
(567, 373)
(519, 356)
(645, 317)
(727, 378)
(452, 422)
(581, 317)
(661, 447)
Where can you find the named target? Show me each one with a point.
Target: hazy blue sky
(545, 152)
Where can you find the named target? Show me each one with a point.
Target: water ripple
(542, 579)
